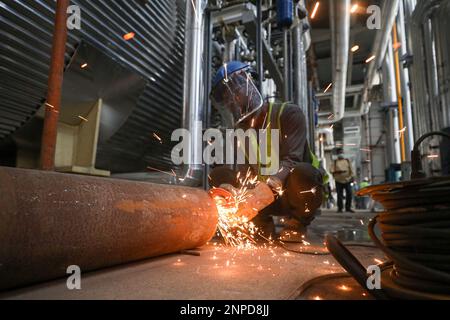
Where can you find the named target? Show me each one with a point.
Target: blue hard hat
(231, 67)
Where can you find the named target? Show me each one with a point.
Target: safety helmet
(235, 92)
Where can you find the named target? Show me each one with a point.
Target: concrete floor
(268, 272)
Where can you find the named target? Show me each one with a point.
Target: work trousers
(340, 187)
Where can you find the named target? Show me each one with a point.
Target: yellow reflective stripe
(279, 115)
(315, 161)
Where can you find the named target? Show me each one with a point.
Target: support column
(55, 79)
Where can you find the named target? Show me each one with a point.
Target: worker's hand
(275, 184)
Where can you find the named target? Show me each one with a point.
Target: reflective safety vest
(254, 144)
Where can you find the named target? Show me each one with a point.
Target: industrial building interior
(91, 93)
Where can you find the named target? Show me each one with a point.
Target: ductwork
(388, 14)
(340, 45)
(193, 97)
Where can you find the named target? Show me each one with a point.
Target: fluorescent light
(355, 48)
(316, 8)
(328, 88)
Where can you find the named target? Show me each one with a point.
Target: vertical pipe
(286, 61)
(369, 145)
(55, 79)
(405, 81)
(391, 97)
(311, 112)
(259, 46)
(398, 86)
(207, 68)
(193, 90)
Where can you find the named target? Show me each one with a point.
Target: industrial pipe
(259, 46)
(55, 80)
(50, 221)
(398, 86)
(193, 91)
(406, 80)
(340, 45)
(382, 39)
(300, 72)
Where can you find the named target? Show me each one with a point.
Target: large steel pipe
(50, 221)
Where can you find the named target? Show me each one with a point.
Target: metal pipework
(55, 80)
(382, 39)
(52, 220)
(340, 44)
(300, 70)
(259, 46)
(193, 97)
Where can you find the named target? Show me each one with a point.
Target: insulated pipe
(405, 81)
(287, 66)
(55, 80)
(398, 85)
(259, 46)
(340, 45)
(300, 76)
(382, 39)
(50, 221)
(193, 96)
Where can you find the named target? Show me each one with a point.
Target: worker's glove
(275, 184)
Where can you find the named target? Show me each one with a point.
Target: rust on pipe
(258, 199)
(50, 221)
(55, 79)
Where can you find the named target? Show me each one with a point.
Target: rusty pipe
(50, 221)
(55, 80)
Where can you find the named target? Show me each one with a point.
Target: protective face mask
(238, 95)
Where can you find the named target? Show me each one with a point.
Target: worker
(364, 201)
(342, 172)
(235, 94)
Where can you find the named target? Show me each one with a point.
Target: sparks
(378, 261)
(84, 65)
(328, 88)
(316, 8)
(355, 48)
(313, 191)
(237, 231)
(344, 288)
(354, 8)
(129, 36)
(157, 137)
(165, 172)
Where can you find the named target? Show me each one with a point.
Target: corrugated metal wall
(156, 53)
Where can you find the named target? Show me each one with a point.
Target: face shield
(238, 95)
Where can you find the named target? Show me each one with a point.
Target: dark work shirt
(294, 148)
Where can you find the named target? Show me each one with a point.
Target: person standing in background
(364, 201)
(343, 175)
